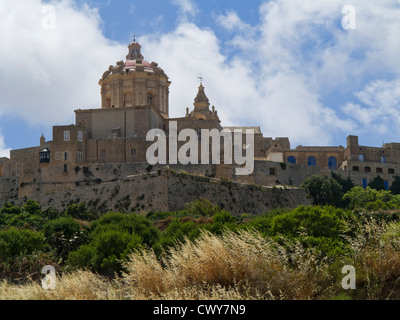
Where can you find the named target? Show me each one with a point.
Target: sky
(312, 71)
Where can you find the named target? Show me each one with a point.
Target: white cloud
(282, 70)
(378, 108)
(281, 104)
(45, 73)
(187, 9)
(231, 21)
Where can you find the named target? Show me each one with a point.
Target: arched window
(332, 163)
(149, 99)
(312, 162)
(291, 159)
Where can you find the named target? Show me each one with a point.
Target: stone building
(134, 100)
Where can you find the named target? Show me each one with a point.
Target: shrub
(8, 208)
(359, 197)
(105, 252)
(221, 221)
(14, 242)
(177, 231)
(24, 220)
(80, 211)
(323, 228)
(130, 223)
(64, 235)
(323, 191)
(32, 207)
(112, 237)
(201, 207)
(66, 226)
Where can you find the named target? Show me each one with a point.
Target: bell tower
(201, 105)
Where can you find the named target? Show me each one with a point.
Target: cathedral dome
(131, 65)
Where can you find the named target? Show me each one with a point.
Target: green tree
(377, 183)
(323, 190)
(346, 184)
(395, 188)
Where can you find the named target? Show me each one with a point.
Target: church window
(379, 170)
(66, 135)
(361, 157)
(291, 159)
(80, 136)
(367, 169)
(312, 162)
(66, 156)
(383, 159)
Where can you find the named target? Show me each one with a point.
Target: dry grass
(376, 256)
(236, 266)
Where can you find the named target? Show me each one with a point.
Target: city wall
(168, 190)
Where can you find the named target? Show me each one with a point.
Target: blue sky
(290, 67)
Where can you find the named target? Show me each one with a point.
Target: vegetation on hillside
(204, 251)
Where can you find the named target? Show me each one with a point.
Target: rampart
(168, 190)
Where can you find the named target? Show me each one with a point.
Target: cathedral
(134, 100)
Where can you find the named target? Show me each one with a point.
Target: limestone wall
(169, 191)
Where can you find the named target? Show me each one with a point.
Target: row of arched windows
(312, 161)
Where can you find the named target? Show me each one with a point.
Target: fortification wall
(170, 191)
